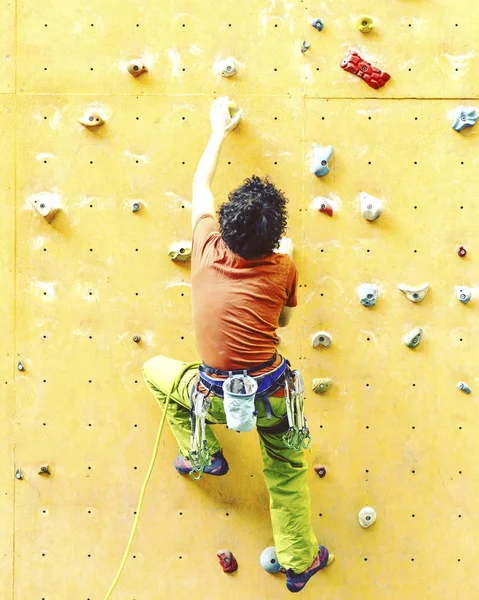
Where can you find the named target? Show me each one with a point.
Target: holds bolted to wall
(371, 207)
(323, 205)
(305, 46)
(44, 470)
(322, 384)
(227, 67)
(227, 561)
(20, 366)
(364, 24)
(321, 338)
(180, 252)
(463, 293)
(356, 65)
(461, 251)
(317, 24)
(321, 156)
(18, 474)
(414, 293)
(320, 470)
(413, 338)
(136, 206)
(464, 116)
(47, 205)
(463, 387)
(137, 338)
(92, 119)
(137, 67)
(367, 517)
(367, 294)
(269, 560)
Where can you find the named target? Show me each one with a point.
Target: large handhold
(465, 116)
(321, 338)
(227, 561)
(413, 338)
(269, 560)
(356, 65)
(414, 293)
(321, 155)
(137, 67)
(367, 517)
(227, 67)
(321, 384)
(92, 118)
(368, 294)
(371, 207)
(180, 252)
(47, 205)
(463, 293)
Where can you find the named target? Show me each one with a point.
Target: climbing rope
(174, 385)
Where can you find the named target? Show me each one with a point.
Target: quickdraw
(199, 454)
(298, 436)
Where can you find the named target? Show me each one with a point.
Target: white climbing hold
(269, 560)
(414, 293)
(371, 207)
(367, 517)
(322, 338)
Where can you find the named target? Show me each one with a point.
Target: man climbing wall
(243, 289)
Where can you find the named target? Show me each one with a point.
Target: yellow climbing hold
(364, 24)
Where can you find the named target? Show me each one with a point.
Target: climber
(243, 289)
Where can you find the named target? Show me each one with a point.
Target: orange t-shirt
(236, 302)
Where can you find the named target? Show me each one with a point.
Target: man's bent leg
(285, 473)
(159, 373)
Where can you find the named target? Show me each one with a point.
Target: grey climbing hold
(465, 116)
(371, 208)
(18, 474)
(321, 156)
(367, 293)
(322, 338)
(463, 293)
(135, 207)
(44, 470)
(269, 560)
(321, 384)
(464, 387)
(413, 338)
(367, 517)
(414, 293)
(20, 366)
(317, 24)
(305, 46)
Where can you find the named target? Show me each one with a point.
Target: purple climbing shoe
(218, 466)
(296, 582)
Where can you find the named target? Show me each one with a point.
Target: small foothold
(137, 67)
(91, 119)
(464, 387)
(44, 470)
(321, 155)
(322, 338)
(135, 207)
(305, 46)
(228, 67)
(317, 24)
(20, 366)
(462, 251)
(269, 560)
(323, 205)
(464, 294)
(180, 252)
(46, 205)
(320, 470)
(371, 208)
(367, 516)
(18, 474)
(137, 339)
(227, 561)
(356, 65)
(321, 385)
(414, 293)
(364, 24)
(367, 293)
(465, 116)
(413, 338)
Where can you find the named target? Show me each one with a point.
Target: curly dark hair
(254, 218)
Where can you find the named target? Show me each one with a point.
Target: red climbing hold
(462, 251)
(227, 561)
(373, 76)
(320, 470)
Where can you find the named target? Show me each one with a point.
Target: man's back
(236, 302)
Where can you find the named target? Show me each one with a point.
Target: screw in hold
(18, 474)
(305, 46)
(20, 366)
(320, 470)
(136, 339)
(44, 470)
(462, 251)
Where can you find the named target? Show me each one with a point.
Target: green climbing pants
(284, 469)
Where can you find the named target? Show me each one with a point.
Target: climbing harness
(174, 385)
(298, 436)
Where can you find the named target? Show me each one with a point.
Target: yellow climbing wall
(394, 432)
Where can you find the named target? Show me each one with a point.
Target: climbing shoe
(218, 465)
(295, 582)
